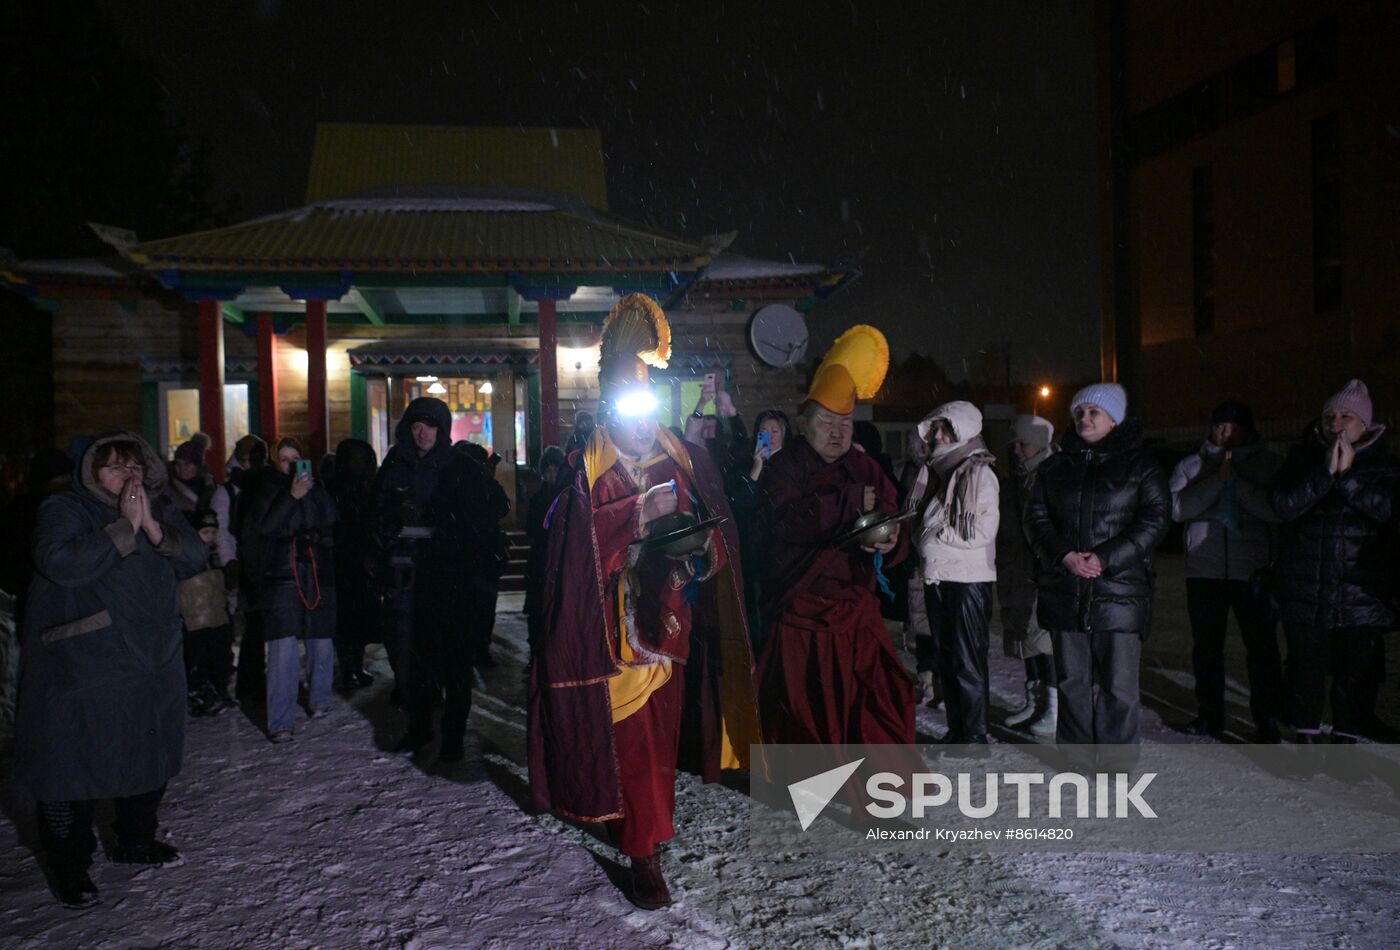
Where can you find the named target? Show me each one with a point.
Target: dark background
(950, 149)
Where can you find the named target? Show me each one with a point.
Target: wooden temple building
(475, 264)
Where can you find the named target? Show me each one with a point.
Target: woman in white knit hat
(1098, 511)
(958, 492)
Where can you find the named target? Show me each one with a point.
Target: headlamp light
(635, 404)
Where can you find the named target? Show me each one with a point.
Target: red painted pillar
(317, 407)
(211, 384)
(549, 374)
(267, 380)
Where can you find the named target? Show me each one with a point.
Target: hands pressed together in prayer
(1342, 455)
(135, 507)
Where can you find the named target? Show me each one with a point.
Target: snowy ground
(332, 841)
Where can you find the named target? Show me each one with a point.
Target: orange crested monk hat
(636, 336)
(854, 368)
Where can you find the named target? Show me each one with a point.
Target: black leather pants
(960, 616)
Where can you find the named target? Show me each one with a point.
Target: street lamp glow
(1044, 391)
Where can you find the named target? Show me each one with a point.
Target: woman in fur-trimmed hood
(959, 497)
(102, 683)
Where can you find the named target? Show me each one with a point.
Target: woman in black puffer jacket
(1098, 511)
(1336, 570)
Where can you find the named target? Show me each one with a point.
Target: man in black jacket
(1097, 512)
(434, 521)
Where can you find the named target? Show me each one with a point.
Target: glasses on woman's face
(127, 470)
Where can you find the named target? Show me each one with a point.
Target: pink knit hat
(1354, 398)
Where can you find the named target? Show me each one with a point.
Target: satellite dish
(778, 334)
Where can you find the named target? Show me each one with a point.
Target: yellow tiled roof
(351, 158)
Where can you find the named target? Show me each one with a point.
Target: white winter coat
(946, 555)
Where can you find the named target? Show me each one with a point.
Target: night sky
(952, 148)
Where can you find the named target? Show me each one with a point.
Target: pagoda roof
(443, 230)
(736, 276)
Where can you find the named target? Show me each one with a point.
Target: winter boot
(76, 890)
(418, 734)
(927, 689)
(1204, 726)
(1027, 712)
(153, 853)
(453, 749)
(211, 700)
(1046, 723)
(649, 891)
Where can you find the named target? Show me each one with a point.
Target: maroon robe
(828, 673)
(574, 746)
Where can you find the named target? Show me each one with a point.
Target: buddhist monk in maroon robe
(828, 673)
(636, 647)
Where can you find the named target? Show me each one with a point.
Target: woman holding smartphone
(770, 430)
(293, 518)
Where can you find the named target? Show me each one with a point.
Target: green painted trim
(512, 306)
(358, 299)
(738, 304)
(359, 407)
(290, 319)
(465, 319)
(128, 306)
(45, 305)
(582, 316)
(532, 418)
(231, 313)
(150, 413)
(659, 279)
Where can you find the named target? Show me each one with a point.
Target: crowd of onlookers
(135, 578)
(141, 575)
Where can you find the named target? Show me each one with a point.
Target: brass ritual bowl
(677, 535)
(875, 527)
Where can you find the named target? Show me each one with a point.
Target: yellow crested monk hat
(636, 336)
(854, 368)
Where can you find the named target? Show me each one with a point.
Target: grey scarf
(957, 467)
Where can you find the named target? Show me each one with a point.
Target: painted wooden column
(549, 373)
(503, 435)
(211, 384)
(317, 405)
(268, 403)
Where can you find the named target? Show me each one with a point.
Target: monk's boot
(649, 890)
